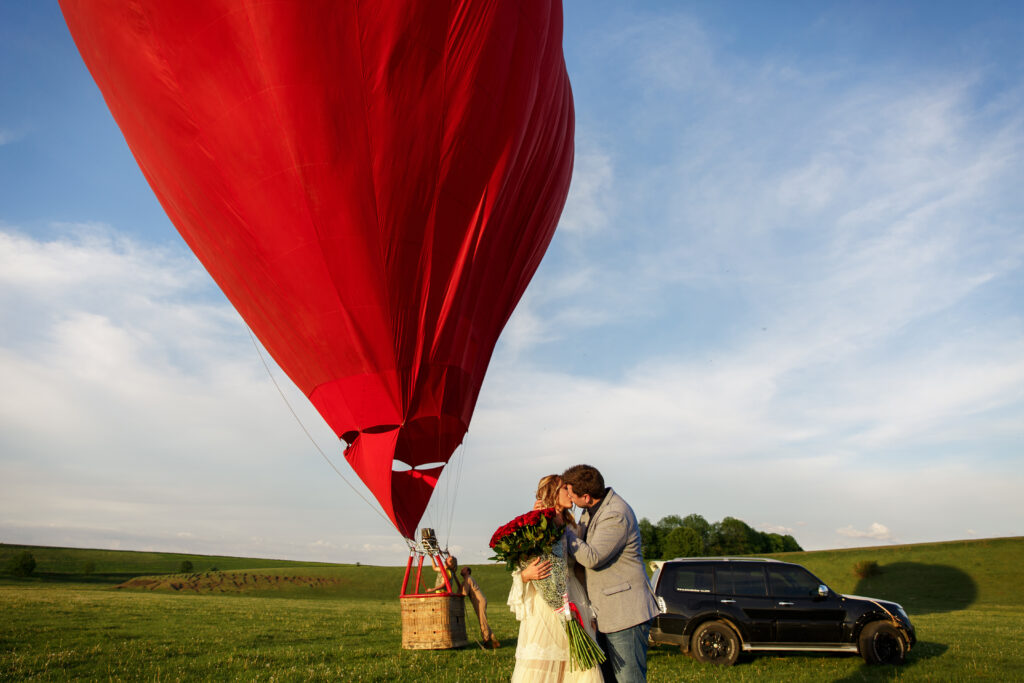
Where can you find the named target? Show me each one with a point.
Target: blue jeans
(626, 653)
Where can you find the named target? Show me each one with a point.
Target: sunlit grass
(965, 600)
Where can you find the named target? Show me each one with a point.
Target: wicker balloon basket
(433, 622)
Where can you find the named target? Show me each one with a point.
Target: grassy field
(283, 621)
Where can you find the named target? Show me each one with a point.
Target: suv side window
(792, 582)
(741, 580)
(692, 578)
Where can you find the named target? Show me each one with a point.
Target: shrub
(865, 568)
(186, 567)
(214, 569)
(21, 564)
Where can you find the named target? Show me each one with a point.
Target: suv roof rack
(724, 559)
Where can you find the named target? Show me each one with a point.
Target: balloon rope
(308, 435)
(461, 455)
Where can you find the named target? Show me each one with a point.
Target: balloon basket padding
(433, 622)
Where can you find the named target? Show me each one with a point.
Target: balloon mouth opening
(401, 466)
(402, 463)
(350, 436)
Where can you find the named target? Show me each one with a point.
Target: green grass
(964, 598)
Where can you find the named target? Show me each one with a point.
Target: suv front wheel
(882, 643)
(715, 643)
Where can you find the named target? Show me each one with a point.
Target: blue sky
(786, 287)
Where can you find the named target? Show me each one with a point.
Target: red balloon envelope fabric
(372, 184)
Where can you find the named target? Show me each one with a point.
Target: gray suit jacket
(612, 555)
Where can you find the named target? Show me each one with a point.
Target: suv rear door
(687, 591)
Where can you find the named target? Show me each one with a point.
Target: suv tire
(882, 643)
(715, 642)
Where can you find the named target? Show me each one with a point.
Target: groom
(607, 544)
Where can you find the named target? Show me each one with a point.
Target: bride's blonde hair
(547, 493)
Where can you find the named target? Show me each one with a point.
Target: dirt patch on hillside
(227, 582)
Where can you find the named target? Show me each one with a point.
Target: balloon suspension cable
(310, 436)
(440, 514)
(452, 492)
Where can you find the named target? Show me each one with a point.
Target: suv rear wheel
(882, 643)
(715, 643)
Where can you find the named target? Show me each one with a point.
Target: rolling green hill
(925, 577)
(928, 577)
(74, 563)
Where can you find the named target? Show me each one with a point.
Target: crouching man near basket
(471, 589)
(607, 544)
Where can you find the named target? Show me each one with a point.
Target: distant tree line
(694, 536)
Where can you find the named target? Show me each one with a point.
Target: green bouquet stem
(584, 653)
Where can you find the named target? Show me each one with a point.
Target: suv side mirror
(823, 591)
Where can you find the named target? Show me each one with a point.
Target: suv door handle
(728, 602)
(786, 604)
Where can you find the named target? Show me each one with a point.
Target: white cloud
(134, 402)
(8, 136)
(589, 205)
(877, 532)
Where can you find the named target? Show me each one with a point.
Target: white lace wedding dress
(542, 654)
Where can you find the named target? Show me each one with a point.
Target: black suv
(714, 608)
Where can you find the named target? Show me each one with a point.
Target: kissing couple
(605, 579)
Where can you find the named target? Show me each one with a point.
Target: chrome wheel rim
(714, 645)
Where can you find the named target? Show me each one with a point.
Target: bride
(542, 653)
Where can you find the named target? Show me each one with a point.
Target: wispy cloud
(877, 532)
(135, 404)
(811, 272)
(7, 136)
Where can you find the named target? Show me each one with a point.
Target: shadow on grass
(921, 588)
(878, 672)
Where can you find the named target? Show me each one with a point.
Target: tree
(649, 538)
(684, 541)
(701, 527)
(21, 564)
(733, 536)
(186, 567)
(667, 524)
(789, 544)
(694, 536)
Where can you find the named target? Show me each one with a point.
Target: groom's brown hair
(585, 480)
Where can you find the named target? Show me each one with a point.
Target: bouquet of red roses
(526, 536)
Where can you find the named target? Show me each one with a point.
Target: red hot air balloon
(372, 184)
